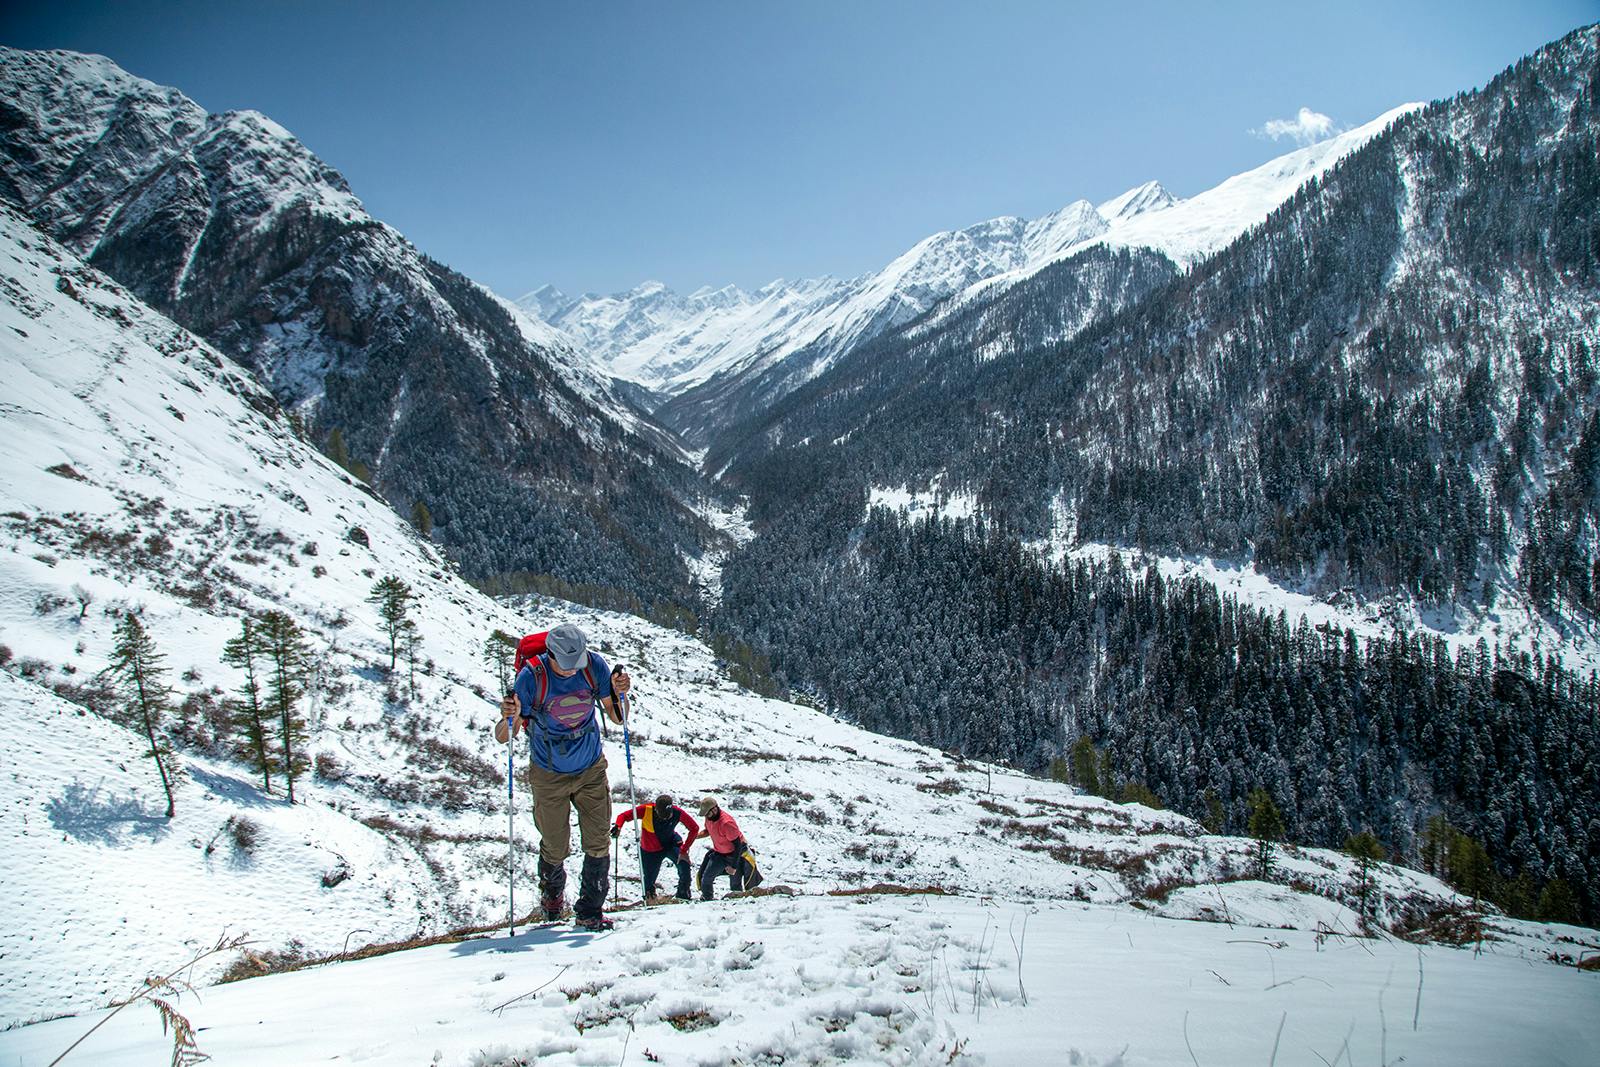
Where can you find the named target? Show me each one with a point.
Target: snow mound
(1262, 904)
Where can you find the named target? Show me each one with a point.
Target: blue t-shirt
(564, 735)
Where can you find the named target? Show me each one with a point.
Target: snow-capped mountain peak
(1151, 196)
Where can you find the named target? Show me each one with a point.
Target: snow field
(880, 979)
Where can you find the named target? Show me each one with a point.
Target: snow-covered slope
(887, 979)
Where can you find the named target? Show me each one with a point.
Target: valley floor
(893, 979)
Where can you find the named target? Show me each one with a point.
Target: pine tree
(288, 663)
(1436, 837)
(411, 641)
(499, 654)
(1470, 869)
(1556, 903)
(1365, 850)
(1215, 821)
(1266, 826)
(137, 668)
(1084, 766)
(251, 719)
(393, 598)
(422, 518)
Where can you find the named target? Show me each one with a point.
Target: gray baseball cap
(568, 646)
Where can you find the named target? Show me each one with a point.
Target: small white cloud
(1305, 128)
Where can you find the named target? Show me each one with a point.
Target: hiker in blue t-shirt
(557, 694)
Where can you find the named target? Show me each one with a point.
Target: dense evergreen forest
(1390, 386)
(950, 633)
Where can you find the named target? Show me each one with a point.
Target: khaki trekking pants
(588, 791)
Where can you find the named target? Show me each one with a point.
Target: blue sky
(595, 145)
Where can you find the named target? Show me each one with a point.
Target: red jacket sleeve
(627, 816)
(694, 828)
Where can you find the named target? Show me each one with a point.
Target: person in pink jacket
(727, 852)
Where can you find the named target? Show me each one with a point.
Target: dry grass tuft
(890, 888)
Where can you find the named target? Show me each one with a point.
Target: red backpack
(529, 649)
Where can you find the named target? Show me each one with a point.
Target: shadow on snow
(97, 817)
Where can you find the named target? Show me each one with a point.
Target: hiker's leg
(551, 794)
(592, 797)
(592, 886)
(652, 868)
(683, 877)
(710, 867)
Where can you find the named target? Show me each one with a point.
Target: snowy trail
(881, 979)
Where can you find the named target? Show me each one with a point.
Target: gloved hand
(683, 853)
(615, 829)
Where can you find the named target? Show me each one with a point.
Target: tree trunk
(150, 732)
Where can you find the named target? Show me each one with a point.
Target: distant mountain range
(719, 355)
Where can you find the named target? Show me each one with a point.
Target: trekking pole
(633, 800)
(511, 830)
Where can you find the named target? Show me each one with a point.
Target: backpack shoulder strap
(588, 672)
(541, 682)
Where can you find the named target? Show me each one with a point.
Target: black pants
(652, 868)
(714, 866)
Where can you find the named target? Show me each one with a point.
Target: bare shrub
(327, 768)
(245, 833)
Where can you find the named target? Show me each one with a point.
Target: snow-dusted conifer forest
(193, 576)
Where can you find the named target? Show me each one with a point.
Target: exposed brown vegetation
(891, 889)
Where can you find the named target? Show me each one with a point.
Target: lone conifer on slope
(288, 665)
(1266, 826)
(137, 668)
(1365, 849)
(252, 719)
(393, 597)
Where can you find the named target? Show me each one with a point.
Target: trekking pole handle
(624, 700)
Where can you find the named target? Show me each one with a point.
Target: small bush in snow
(359, 536)
(328, 768)
(254, 964)
(66, 470)
(49, 603)
(245, 832)
(5, 655)
(308, 549)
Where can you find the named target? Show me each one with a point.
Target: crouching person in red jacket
(660, 841)
(728, 851)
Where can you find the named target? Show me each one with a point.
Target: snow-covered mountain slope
(140, 471)
(887, 979)
(453, 399)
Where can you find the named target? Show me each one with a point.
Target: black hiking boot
(596, 923)
(592, 886)
(552, 890)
